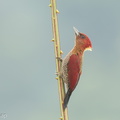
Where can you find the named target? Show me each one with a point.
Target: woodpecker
(72, 64)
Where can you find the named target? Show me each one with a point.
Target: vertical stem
(61, 88)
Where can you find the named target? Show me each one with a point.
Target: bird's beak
(76, 31)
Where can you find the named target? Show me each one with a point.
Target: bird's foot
(59, 75)
(59, 58)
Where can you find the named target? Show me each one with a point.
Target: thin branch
(58, 52)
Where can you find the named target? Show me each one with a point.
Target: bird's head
(82, 41)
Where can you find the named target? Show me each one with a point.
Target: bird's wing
(73, 68)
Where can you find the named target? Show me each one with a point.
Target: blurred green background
(28, 89)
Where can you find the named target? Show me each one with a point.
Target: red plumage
(72, 64)
(73, 71)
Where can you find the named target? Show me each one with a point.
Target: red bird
(72, 63)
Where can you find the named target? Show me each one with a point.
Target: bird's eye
(82, 36)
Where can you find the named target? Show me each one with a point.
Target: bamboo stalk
(57, 50)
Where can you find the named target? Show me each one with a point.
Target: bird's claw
(59, 58)
(59, 74)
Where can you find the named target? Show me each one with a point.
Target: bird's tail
(66, 99)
